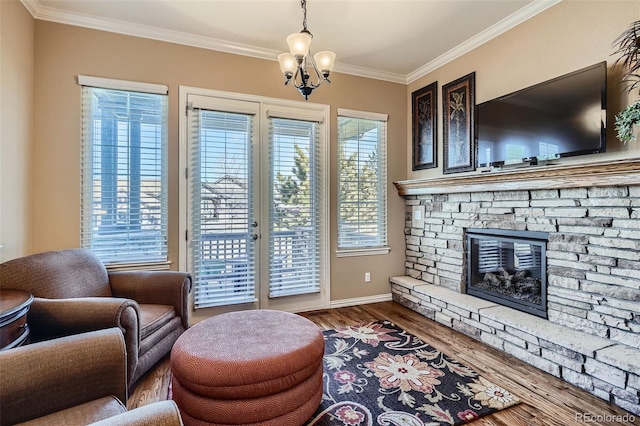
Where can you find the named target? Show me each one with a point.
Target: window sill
(147, 266)
(373, 251)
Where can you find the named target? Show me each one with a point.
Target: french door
(256, 206)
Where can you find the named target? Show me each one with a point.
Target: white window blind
(362, 180)
(124, 173)
(223, 249)
(294, 216)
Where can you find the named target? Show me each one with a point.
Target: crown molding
(38, 11)
(370, 73)
(145, 31)
(527, 12)
(32, 6)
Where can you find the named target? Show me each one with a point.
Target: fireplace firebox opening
(508, 267)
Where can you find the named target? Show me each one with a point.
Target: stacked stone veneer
(592, 336)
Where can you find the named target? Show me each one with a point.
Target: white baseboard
(361, 300)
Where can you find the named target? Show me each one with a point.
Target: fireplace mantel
(601, 173)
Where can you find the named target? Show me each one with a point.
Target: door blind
(221, 187)
(294, 215)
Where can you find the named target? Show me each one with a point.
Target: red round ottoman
(257, 367)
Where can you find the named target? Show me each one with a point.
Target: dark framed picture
(424, 110)
(458, 104)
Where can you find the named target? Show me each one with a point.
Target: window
(362, 183)
(124, 170)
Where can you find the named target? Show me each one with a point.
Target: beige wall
(564, 38)
(62, 52)
(16, 126)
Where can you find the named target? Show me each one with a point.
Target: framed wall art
(458, 104)
(424, 110)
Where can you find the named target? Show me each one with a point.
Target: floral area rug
(378, 374)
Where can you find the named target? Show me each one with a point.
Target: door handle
(254, 237)
(254, 224)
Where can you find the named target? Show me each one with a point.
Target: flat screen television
(561, 117)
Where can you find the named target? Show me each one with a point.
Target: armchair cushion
(152, 317)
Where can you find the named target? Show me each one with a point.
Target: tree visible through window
(293, 191)
(124, 214)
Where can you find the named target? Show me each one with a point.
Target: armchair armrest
(155, 287)
(46, 377)
(50, 318)
(163, 413)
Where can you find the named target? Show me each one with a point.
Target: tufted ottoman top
(247, 354)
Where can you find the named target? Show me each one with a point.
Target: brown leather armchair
(75, 380)
(74, 293)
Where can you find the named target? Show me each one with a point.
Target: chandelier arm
(319, 76)
(308, 83)
(302, 84)
(295, 77)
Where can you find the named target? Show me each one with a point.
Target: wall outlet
(367, 277)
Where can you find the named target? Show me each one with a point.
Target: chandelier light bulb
(299, 45)
(324, 61)
(288, 64)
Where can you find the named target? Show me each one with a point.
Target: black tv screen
(558, 118)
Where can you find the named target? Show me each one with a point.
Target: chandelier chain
(303, 3)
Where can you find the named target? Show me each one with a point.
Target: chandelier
(298, 65)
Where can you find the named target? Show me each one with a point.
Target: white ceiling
(394, 40)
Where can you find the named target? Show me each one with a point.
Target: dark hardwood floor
(546, 400)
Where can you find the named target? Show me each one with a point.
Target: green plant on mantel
(629, 50)
(626, 119)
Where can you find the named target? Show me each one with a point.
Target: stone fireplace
(589, 216)
(508, 267)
